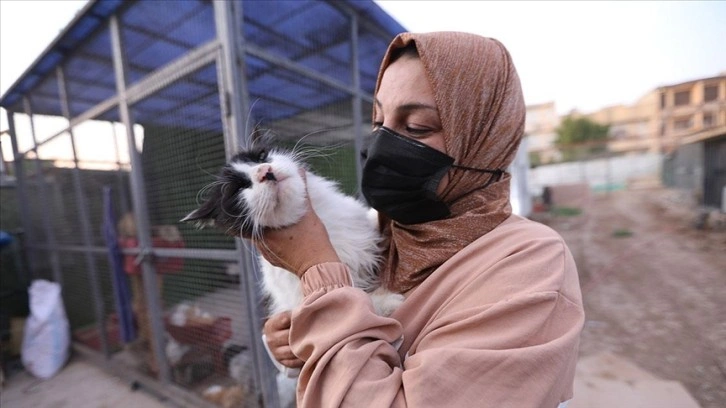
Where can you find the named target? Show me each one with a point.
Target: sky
(588, 55)
(581, 55)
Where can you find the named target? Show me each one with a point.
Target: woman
(493, 309)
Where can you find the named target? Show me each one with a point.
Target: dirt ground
(654, 286)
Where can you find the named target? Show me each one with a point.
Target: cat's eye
(262, 156)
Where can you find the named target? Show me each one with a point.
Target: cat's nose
(264, 173)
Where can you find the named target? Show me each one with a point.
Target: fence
(600, 174)
(154, 96)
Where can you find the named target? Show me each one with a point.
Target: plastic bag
(46, 339)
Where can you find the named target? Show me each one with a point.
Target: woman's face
(405, 104)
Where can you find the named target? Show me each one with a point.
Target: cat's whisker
(316, 132)
(200, 168)
(200, 194)
(249, 119)
(238, 200)
(303, 153)
(266, 138)
(231, 216)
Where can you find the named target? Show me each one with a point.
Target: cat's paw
(386, 302)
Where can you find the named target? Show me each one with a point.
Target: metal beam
(357, 103)
(302, 70)
(185, 65)
(82, 206)
(91, 113)
(45, 215)
(19, 161)
(234, 100)
(223, 255)
(141, 211)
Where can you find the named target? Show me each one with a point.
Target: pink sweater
(497, 325)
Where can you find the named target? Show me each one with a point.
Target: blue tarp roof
(314, 34)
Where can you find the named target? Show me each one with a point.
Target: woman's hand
(299, 246)
(277, 333)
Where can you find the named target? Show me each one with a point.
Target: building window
(710, 93)
(708, 119)
(618, 132)
(683, 98)
(663, 100)
(682, 123)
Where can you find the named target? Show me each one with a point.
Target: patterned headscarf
(480, 102)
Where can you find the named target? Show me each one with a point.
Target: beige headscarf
(480, 102)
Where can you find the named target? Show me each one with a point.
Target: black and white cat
(263, 188)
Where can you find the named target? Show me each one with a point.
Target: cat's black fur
(221, 204)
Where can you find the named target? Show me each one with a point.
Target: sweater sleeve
(346, 347)
(519, 351)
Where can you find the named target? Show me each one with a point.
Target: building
(698, 165)
(540, 130)
(632, 128)
(685, 124)
(690, 107)
(662, 118)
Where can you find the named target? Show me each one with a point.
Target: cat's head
(258, 188)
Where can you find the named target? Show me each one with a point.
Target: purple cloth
(121, 290)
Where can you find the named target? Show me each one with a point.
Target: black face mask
(401, 176)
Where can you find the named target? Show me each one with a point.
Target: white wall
(599, 173)
(519, 191)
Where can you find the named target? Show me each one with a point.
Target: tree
(581, 137)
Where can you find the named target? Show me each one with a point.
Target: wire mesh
(41, 127)
(288, 34)
(299, 84)
(371, 46)
(89, 74)
(152, 42)
(203, 308)
(89, 333)
(13, 278)
(35, 188)
(293, 116)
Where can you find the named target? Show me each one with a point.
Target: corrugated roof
(313, 34)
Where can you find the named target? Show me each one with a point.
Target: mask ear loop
(496, 175)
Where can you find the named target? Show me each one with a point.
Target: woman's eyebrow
(409, 106)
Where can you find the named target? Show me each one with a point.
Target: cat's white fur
(352, 228)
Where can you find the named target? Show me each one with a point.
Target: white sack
(46, 339)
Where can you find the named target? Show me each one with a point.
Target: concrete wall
(610, 173)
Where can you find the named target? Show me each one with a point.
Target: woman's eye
(417, 130)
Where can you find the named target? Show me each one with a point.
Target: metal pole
(357, 103)
(19, 162)
(46, 215)
(82, 204)
(141, 213)
(235, 107)
(124, 207)
(190, 62)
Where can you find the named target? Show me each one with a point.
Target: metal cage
(122, 121)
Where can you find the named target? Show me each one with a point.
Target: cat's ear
(203, 216)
